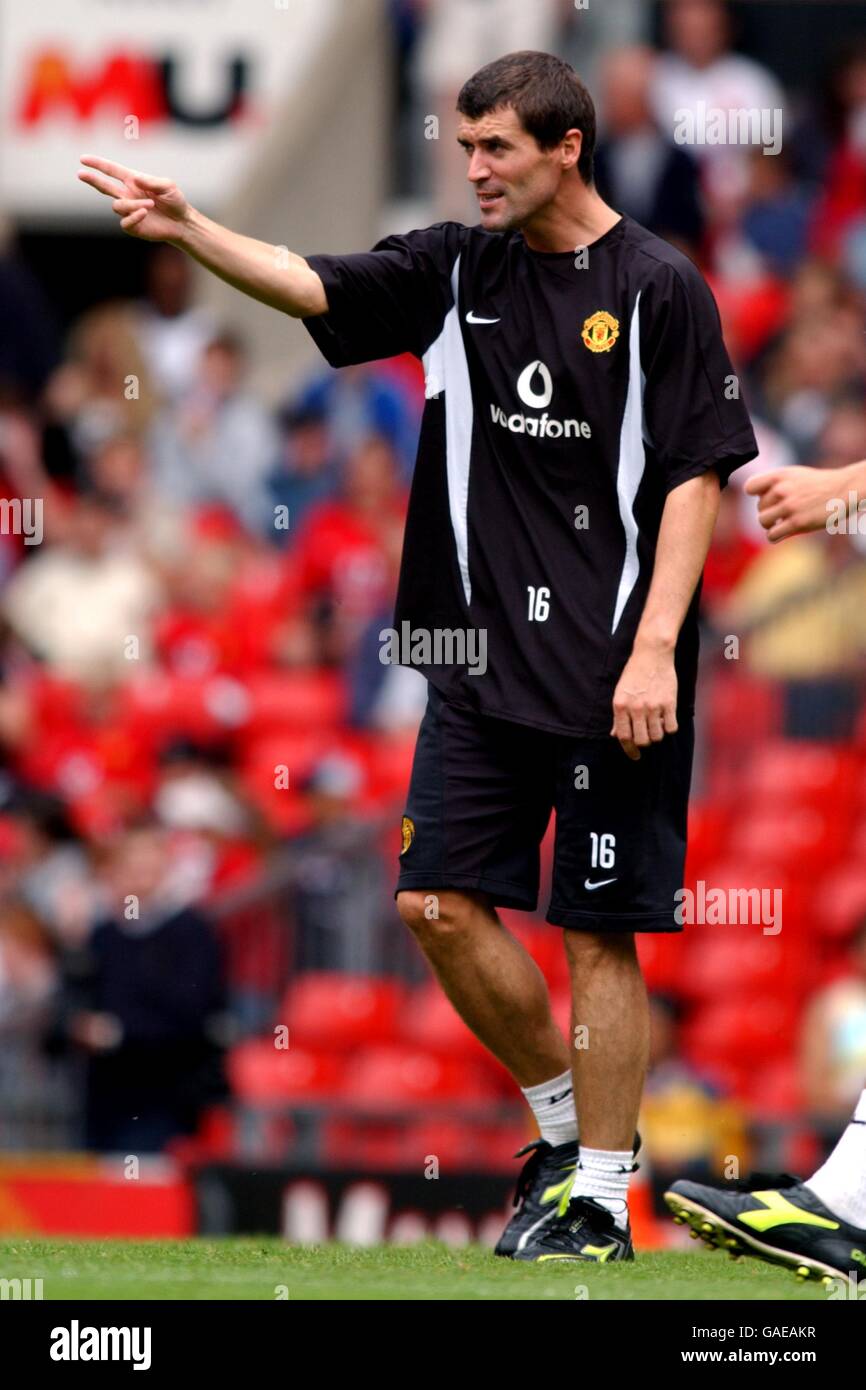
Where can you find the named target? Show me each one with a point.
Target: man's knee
(430, 915)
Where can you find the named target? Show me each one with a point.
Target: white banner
(178, 87)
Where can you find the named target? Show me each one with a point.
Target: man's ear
(572, 144)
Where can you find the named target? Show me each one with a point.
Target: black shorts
(480, 798)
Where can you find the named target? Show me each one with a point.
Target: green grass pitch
(267, 1268)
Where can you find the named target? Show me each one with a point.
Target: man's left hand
(645, 699)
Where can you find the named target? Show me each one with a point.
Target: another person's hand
(150, 208)
(793, 501)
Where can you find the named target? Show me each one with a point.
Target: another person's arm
(792, 501)
(645, 699)
(155, 209)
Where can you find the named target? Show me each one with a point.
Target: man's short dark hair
(544, 91)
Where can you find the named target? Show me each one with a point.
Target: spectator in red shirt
(341, 561)
(844, 198)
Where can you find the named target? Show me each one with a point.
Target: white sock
(840, 1182)
(552, 1104)
(603, 1174)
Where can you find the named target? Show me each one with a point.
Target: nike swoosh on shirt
(471, 318)
(600, 884)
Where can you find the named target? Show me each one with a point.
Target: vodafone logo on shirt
(535, 389)
(538, 401)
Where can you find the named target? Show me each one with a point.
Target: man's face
(627, 76)
(512, 176)
(697, 30)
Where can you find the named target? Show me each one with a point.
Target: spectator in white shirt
(172, 330)
(702, 72)
(83, 606)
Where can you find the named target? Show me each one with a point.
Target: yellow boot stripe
(601, 1252)
(566, 1197)
(550, 1194)
(778, 1211)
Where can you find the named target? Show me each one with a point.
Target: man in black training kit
(581, 417)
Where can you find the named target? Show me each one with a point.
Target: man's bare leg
(609, 1060)
(493, 983)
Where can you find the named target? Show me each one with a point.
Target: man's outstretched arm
(792, 501)
(645, 699)
(155, 209)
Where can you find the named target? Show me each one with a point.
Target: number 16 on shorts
(603, 850)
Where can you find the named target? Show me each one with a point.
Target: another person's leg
(816, 1228)
(840, 1182)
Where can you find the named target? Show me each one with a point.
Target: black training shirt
(567, 394)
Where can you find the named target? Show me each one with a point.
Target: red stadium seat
(429, 1021)
(774, 1092)
(463, 1145)
(284, 807)
(163, 706)
(740, 960)
(458, 1145)
(355, 1144)
(498, 1145)
(261, 1073)
(388, 760)
(787, 833)
(214, 1139)
(856, 836)
(295, 701)
(388, 1078)
(752, 310)
(741, 1032)
(708, 825)
(742, 710)
(839, 902)
(662, 958)
(817, 774)
(342, 1012)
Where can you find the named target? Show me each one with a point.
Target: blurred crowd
(189, 649)
(202, 757)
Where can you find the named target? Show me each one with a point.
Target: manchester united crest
(408, 829)
(600, 332)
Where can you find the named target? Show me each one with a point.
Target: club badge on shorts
(600, 332)
(408, 829)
